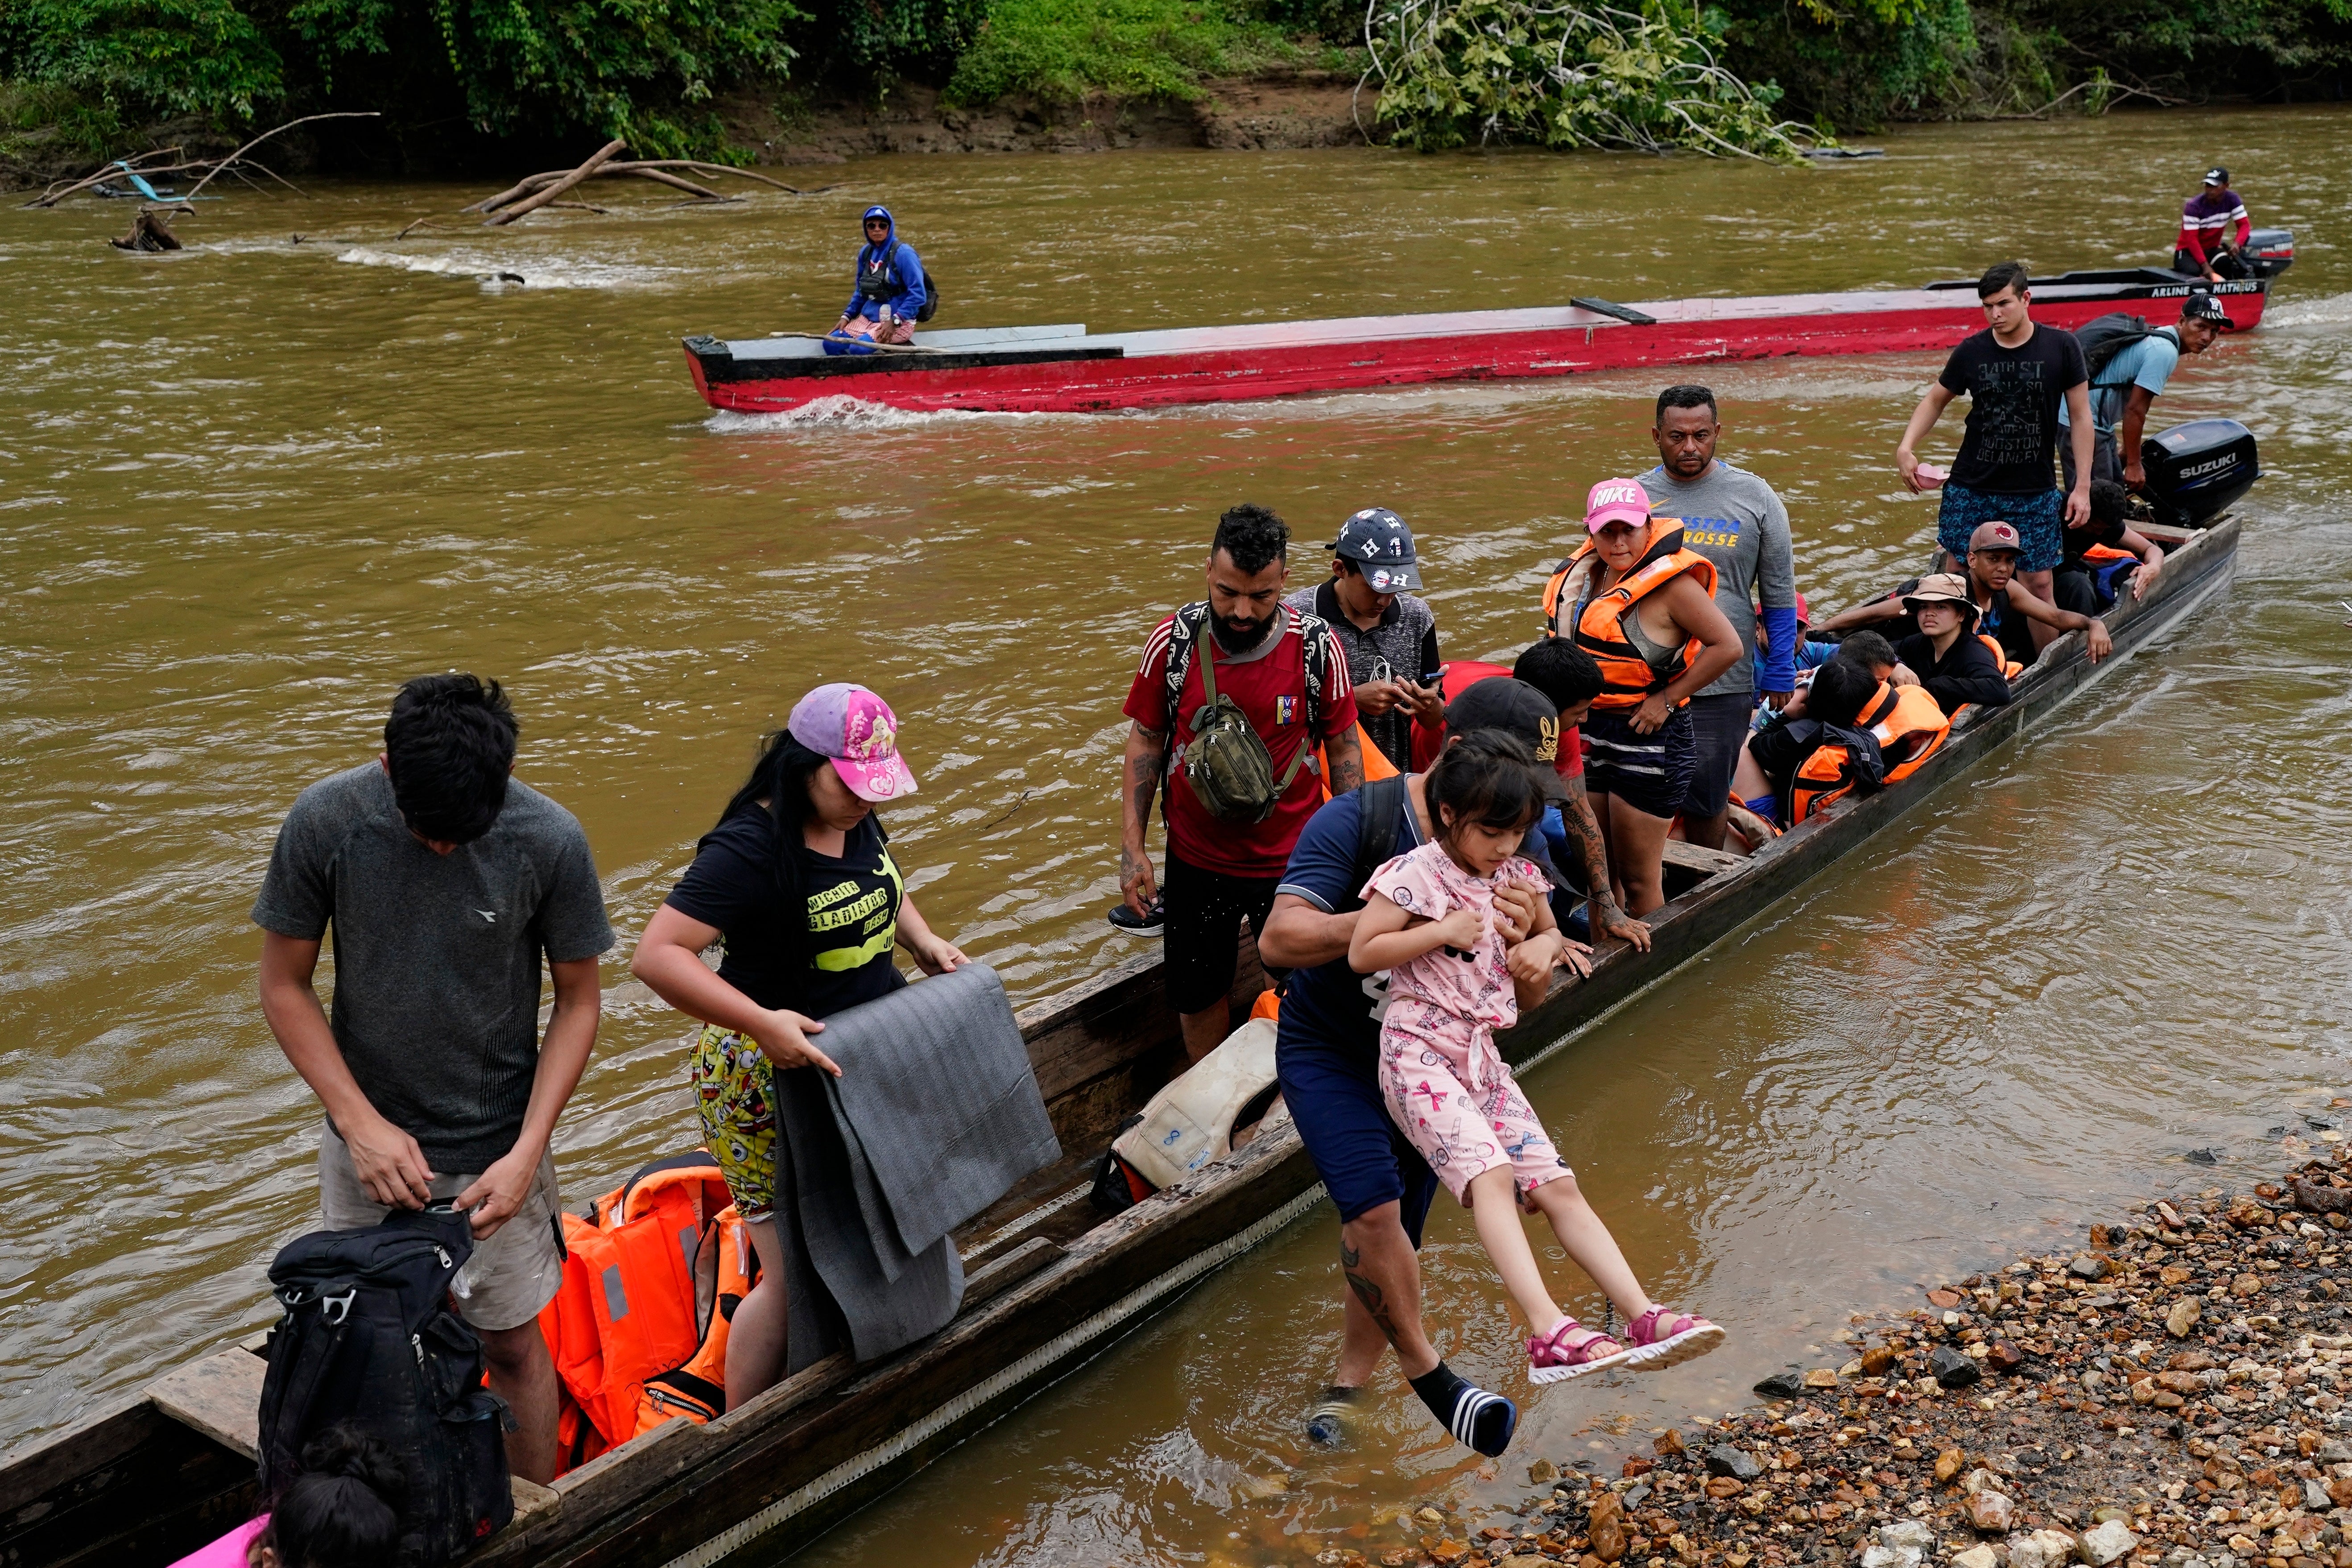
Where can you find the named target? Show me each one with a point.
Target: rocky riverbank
(2173, 1393)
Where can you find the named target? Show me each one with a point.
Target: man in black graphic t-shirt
(2015, 375)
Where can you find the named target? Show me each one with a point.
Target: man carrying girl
(1430, 922)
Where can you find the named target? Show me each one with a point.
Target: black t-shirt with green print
(832, 953)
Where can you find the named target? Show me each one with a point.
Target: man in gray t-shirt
(1731, 516)
(445, 882)
(1388, 634)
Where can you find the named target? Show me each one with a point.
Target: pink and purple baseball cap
(1616, 500)
(858, 731)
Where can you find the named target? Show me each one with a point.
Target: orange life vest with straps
(1605, 626)
(2009, 669)
(638, 1326)
(1909, 728)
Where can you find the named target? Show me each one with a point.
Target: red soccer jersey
(1271, 688)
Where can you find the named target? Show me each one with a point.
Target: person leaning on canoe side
(1327, 1057)
(2110, 503)
(797, 880)
(1279, 682)
(2203, 248)
(1643, 607)
(889, 291)
(2133, 378)
(1733, 518)
(447, 880)
(1388, 634)
(2016, 376)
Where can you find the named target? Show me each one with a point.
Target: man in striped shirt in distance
(2206, 246)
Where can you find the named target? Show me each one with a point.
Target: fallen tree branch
(547, 194)
(136, 165)
(653, 169)
(231, 160)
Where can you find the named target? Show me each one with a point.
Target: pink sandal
(1662, 1339)
(1550, 1359)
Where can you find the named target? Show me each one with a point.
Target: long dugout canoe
(1052, 1283)
(1065, 368)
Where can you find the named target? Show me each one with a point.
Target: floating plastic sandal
(1552, 1359)
(1662, 1339)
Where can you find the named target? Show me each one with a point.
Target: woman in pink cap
(797, 881)
(1643, 607)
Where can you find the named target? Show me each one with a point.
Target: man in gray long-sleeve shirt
(1731, 516)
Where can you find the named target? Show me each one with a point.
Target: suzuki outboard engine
(2270, 251)
(2197, 470)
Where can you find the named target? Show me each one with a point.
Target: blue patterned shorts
(2038, 519)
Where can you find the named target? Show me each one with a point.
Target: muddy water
(247, 489)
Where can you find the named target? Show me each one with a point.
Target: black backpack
(368, 1337)
(931, 306)
(2105, 337)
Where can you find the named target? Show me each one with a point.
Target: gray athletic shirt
(1731, 516)
(437, 981)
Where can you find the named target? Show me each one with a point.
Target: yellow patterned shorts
(735, 1094)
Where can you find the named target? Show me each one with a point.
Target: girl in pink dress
(1458, 972)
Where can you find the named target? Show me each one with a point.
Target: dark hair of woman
(1488, 777)
(778, 789)
(343, 1509)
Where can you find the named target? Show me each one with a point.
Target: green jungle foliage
(1457, 72)
(1713, 74)
(1061, 52)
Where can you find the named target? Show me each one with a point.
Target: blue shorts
(2037, 518)
(1333, 1094)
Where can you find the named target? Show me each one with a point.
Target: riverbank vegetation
(491, 81)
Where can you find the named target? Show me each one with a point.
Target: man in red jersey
(1285, 674)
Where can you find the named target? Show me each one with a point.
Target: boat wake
(2333, 310)
(509, 270)
(845, 413)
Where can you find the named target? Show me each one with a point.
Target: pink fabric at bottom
(1426, 1057)
(229, 1551)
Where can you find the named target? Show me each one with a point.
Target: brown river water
(247, 489)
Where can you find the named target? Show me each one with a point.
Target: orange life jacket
(1626, 675)
(1907, 725)
(2009, 669)
(638, 1326)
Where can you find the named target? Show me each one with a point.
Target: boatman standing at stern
(890, 289)
(1388, 634)
(2128, 381)
(1734, 519)
(2016, 376)
(2205, 248)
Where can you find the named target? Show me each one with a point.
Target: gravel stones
(1734, 1464)
(1782, 1385)
(1953, 1369)
(2104, 1544)
(1991, 1512)
(2184, 1315)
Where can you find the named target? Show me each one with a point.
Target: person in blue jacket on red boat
(891, 294)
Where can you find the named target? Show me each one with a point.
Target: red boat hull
(1148, 370)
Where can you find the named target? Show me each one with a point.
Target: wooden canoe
(1065, 368)
(1053, 1283)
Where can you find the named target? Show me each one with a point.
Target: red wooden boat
(1066, 369)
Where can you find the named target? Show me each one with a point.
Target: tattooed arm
(1147, 754)
(1346, 761)
(1606, 917)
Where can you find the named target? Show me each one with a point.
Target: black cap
(2217, 175)
(1378, 541)
(2202, 307)
(1500, 702)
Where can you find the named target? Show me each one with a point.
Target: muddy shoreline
(2168, 1393)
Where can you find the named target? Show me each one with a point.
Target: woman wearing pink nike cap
(797, 881)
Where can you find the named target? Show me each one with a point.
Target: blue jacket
(913, 288)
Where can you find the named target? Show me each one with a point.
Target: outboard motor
(2270, 251)
(2197, 470)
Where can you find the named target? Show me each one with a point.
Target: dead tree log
(548, 192)
(148, 233)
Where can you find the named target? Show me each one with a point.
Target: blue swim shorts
(1333, 1094)
(2038, 519)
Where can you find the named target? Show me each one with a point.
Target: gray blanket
(936, 1116)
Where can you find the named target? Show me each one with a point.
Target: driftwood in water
(661, 171)
(148, 233)
(556, 187)
(143, 165)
